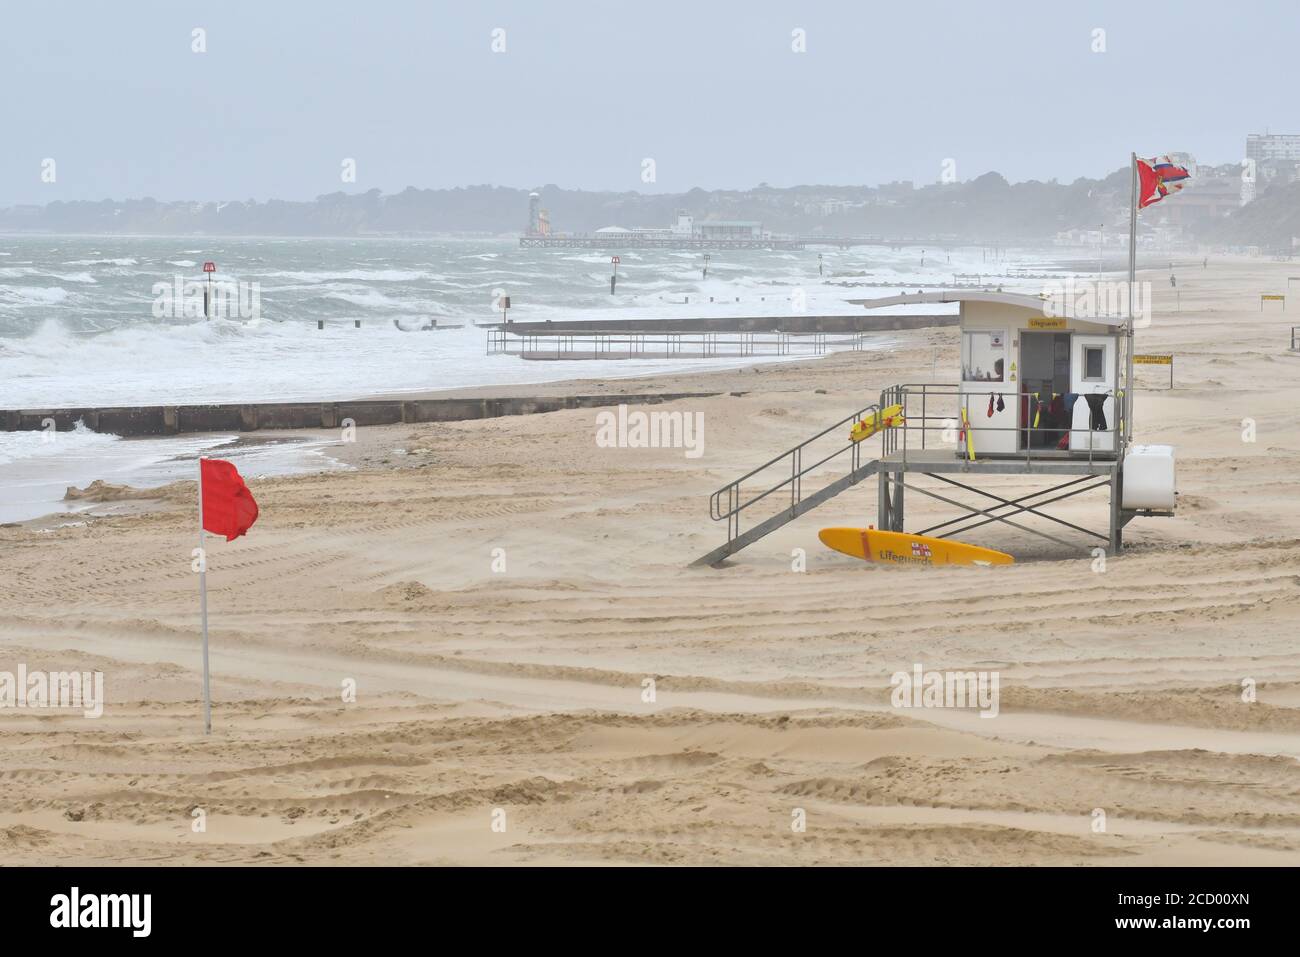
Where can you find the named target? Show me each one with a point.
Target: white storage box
(1149, 477)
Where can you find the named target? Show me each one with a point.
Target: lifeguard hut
(1053, 379)
(1044, 389)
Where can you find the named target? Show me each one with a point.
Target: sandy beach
(499, 592)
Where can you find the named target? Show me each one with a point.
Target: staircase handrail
(797, 472)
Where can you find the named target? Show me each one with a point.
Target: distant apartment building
(1272, 158)
(1265, 147)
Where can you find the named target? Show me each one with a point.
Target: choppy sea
(99, 321)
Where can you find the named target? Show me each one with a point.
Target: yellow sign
(1274, 298)
(1154, 360)
(1047, 324)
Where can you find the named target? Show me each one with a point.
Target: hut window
(1094, 363)
(983, 356)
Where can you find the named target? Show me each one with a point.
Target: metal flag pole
(203, 609)
(1132, 278)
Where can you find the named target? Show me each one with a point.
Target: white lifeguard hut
(1044, 389)
(1035, 377)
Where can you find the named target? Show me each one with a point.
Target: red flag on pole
(228, 507)
(1157, 178)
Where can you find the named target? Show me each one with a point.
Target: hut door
(1092, 372)
(1093, 365)
(1044, 378)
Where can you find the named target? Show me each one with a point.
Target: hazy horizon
(582, 95)
(567, 188)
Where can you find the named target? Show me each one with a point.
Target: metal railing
(793, 470)
(939, 410)
(668, 345)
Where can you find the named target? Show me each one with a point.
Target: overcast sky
(712, 91)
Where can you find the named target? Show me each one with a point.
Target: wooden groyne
(155, 420)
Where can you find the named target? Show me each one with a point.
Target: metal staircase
(788, 470)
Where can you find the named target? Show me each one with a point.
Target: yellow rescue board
(900, 548)
(886, 418)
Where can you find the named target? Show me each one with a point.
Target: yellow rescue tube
(965, 431)
(885, 418)
(900, 548)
